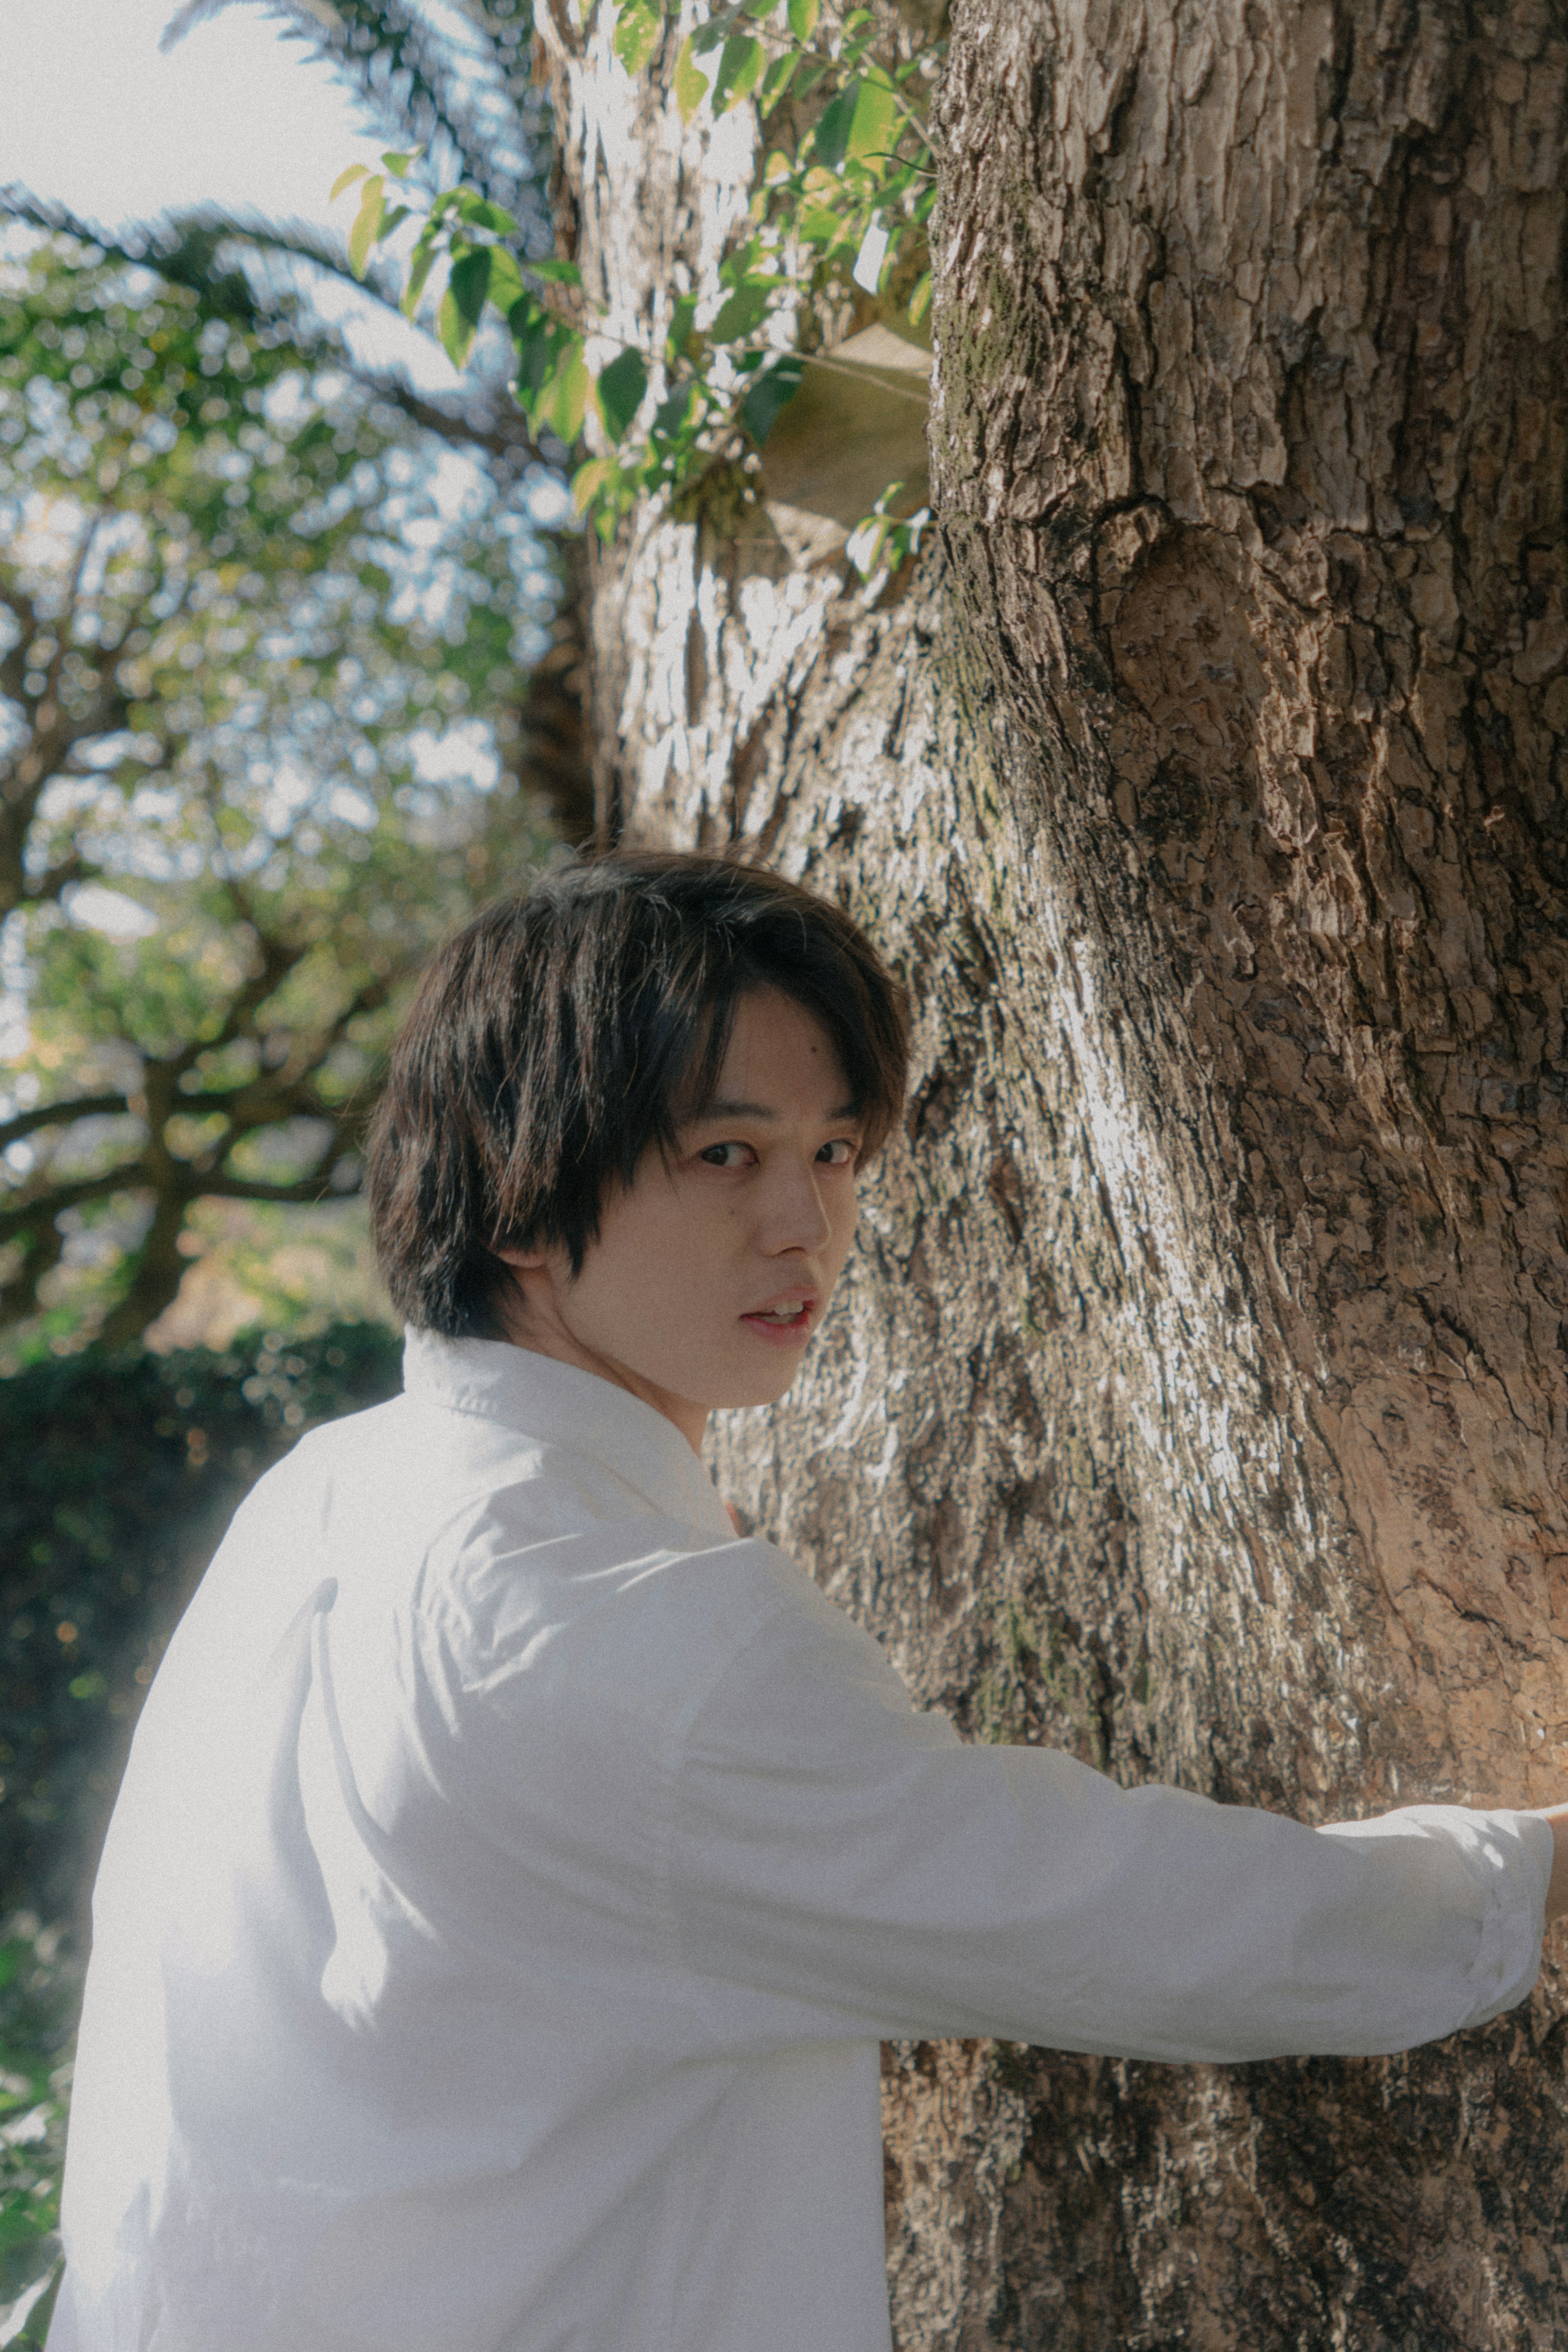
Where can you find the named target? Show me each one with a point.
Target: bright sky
(94, 117)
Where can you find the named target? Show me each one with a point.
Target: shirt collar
(559, 1404)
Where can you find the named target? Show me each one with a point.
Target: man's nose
(796, 1216)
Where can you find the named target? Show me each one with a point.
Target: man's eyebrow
(724, 1108)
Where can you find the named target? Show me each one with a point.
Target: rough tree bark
(1197, 1397)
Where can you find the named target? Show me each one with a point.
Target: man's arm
(835, 1850)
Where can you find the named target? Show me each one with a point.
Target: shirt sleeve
(836, 1849)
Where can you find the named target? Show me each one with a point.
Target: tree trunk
(1197, 1400)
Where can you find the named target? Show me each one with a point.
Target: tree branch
(157, 1270)
(60, 1114)
(304, 1189)
(53, 734)
(41, 1252)
(33, 1214)
(42, 889)
(25, 612)
(278, 957)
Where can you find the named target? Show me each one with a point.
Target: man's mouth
(784, 1318)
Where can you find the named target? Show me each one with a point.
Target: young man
(516, 1872)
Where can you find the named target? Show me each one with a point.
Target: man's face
(713, 1269)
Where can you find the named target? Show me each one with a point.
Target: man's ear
(526, 1260)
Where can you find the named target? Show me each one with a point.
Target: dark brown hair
(554, 1040)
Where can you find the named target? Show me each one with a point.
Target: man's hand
(1557, 1891)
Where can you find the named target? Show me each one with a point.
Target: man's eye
(839, 1153)
(725, 1155)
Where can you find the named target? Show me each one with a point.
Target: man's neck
(530, 1321)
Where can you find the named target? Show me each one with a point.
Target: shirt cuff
(1507, 1859)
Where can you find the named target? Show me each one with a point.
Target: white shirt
(515, 1873)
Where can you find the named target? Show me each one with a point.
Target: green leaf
(368, 224)
(776, 80)
(638, 25)
(541, 342)
(742, 311)
(803, 18)
(904, 537)
(864, 544)
(860, 122)
(553, 382)
(366, 221)
(567, 398)
(772, 393)
(506, 286)
(419, 269)
(920, 301)
(829, 144)
(394, 220)
(557, 273)
(740, 69)
(885, 538)
(681, 317)
(673, 415)
(462, 304)
(398, 165)
(621, 388)
(590, 480)
(821, 225)
(480, 213)
(346, 180)
(691, 85)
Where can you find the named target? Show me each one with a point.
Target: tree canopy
(262, 667)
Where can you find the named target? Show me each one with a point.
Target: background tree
(462, 90)
(254, 678)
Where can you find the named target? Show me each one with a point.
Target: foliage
(245, 273)
(254, 677)
(287, 1268)
(855, 182)
(122, 1473)
(187, 513)
(123, 423)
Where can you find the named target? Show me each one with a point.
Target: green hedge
(122, 1472)
(40, 1988)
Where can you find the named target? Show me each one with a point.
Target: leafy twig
(723, 385)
